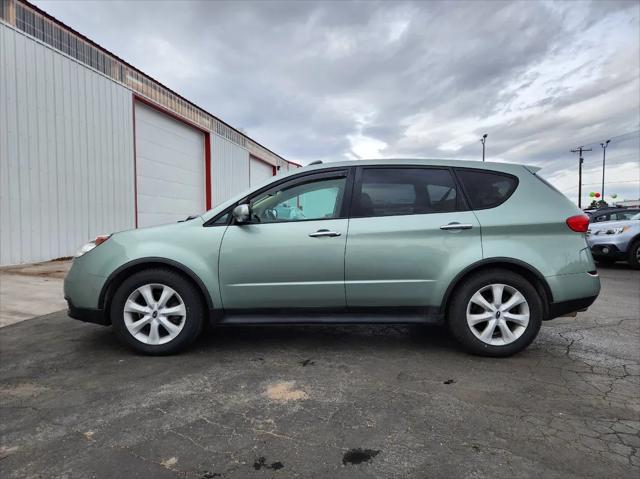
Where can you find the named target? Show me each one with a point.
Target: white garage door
(259, 171)
(170, 168)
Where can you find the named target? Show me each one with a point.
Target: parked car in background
(489, 248)
(612, 241)
(612, 214)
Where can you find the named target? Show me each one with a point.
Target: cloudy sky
(336, 80)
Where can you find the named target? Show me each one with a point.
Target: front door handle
(454, 225)
(322, 233)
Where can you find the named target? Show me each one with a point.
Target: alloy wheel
(154, 314)
(498, 314)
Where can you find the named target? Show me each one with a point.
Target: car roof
(489, 165)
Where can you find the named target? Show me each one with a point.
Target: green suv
(489, 248)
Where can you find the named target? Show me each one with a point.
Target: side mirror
(241, 213)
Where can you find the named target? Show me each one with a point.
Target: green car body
(392, 264)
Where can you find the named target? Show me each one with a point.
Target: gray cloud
(335, 80)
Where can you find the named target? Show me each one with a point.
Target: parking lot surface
(326, 402)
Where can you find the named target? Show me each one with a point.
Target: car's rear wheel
(495, 313)
(634, 254)
(157, 311)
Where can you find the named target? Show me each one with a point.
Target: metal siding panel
(47, 79)
(86, 140)
(7, 133)
(109, 106)
(62, 157)
(72, 128)
(42, 171)
(66, 145)
(98, 151)
(105, 159)
(24, 159)
(68, 158)
(126, 168)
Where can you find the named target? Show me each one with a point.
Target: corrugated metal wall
(229, 169)
(66, 152)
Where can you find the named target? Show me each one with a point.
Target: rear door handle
(454, 225)
(322, 233)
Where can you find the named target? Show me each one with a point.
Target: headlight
(92, 244)
(617, 231)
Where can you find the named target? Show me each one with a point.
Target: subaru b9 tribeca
(489, 248)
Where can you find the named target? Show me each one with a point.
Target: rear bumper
(572, 292)
(571, 306)
(88, 315)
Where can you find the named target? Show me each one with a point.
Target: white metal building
(90, 145)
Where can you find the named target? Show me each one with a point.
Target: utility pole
(483, 140)
(579, 150)
(604, 145)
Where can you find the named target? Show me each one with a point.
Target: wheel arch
(140, 264)
(535, 277)
(634, 240)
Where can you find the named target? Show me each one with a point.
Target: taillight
(578, 223)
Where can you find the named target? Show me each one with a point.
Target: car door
(291, 253)
(410, 233)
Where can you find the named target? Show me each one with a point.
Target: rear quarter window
(486, 189)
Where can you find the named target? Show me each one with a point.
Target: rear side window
(486, 189)
(404, 191)
(622, 215)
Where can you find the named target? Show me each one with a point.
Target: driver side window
(314, 200)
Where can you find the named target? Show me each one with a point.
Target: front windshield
(635, 217)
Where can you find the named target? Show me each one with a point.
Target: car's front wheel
(495, 313)
(157, 311)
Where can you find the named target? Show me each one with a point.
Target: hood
(168, 228)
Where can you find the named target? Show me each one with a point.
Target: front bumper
(88, 315)
(610, 246)
(607, 251)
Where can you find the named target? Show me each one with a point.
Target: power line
(618, 138)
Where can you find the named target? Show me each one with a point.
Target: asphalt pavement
(326, 401)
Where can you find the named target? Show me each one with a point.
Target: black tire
(195, 311)
(457, 312)
(633, 254)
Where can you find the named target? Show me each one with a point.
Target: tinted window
(313, 200)
(623, 215)
(486, 189)
(404, 191)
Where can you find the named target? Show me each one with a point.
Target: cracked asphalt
(327, 402)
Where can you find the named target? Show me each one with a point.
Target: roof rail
(317, 162)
